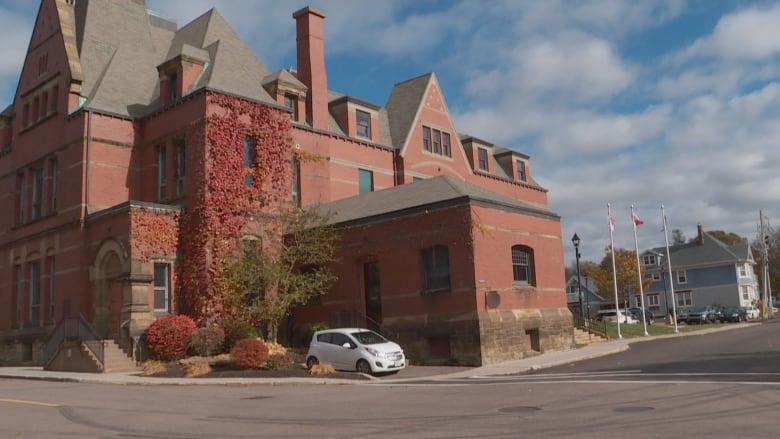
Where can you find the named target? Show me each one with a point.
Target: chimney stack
(309, 24)
(701, 232)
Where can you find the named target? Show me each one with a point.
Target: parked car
(701, 314)
(752, 312)
(637, 314)
(733, 314)
(611, 315)
(355, 349)
(682, 315)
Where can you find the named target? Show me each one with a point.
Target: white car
(752, 312)
(355, 349)
(611, 315)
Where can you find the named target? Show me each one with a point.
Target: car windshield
(368, 337)
(698, 309)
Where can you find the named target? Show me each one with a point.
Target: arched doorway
(108, 290)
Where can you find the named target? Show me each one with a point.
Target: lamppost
(576, 241)
(660, 257)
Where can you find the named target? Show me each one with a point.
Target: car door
(343, 357)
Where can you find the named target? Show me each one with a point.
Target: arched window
(523, 265)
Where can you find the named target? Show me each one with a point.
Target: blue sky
(625, 102)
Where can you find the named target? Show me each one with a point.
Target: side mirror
(347, 345)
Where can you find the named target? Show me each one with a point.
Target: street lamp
(576, 241)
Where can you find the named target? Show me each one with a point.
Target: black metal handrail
(592, 326)
(70, 329)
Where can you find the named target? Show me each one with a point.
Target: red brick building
(448, 242)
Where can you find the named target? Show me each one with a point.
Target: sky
(644, 103)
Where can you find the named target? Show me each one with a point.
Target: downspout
(86, 165)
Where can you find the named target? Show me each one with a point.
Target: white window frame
(656, 276)
(162, 286)
(742, 270)
(682, 277)
(683, 298)
(653, 300)
(648, 260)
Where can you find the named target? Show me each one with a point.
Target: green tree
(626, 275)
(728, 238)
(286, 267)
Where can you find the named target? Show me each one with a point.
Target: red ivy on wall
(218, 212)
(154, 231)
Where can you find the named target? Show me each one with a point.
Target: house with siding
(447, 241)
(591, 299)
(705, 271)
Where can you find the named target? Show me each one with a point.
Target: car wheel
(311, 362)
(363, 367)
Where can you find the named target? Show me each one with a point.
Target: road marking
(24, 401)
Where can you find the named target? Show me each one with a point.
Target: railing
(74, 328)
(592, 326)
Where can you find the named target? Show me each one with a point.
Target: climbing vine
(228, 193)
(154, 231)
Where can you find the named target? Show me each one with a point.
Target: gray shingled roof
(402, 105)
(420, 194)
(710, 251)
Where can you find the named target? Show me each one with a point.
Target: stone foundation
(477, 339)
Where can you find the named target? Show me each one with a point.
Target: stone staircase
(582, 337)
(115, 360)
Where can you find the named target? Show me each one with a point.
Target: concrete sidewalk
(409, 374)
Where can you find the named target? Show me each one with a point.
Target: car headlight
(374, 352)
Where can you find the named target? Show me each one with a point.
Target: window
(522, 265)
(291, 102)
(648, 259)
(683, 298)
(35, 114)
(682, 277)
(44, 104)
(743, 270)
(54, 95)
(249, 161)
(426, 139)
(366, 181)
(446, 149)
(51, 288)
(35, 291)
(363, 124)
(483, 159)
(653, 300)
(181, 166)
(521, 170)
(161, 174)
(19, 292)
(43, 64)
(37, 193)
(656, 276)
(21, 195)
(173, 87)
(436, 142)
(161, 289)
(54, 169)
(436, 267)
(296, 182)
(26, 115)
(745, 292)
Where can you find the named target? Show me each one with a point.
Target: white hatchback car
(355, 349)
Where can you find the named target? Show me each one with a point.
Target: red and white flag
(637, 221)
(611, 222)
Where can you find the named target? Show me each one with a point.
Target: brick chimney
(700, 230)
(309, 23)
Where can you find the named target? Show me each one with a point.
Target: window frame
(742, 270)
(520, 266)
(521, 172)
(683, 298)
(162, 174)
(296, 182)
(682, 277)
(436, 268)
(54, 168)
(163, 289)
(291, 103)
(250, 159)
(446, 146)
(426, 138)
(19, 275)
(365, 186)
(36, 193)
(52, 267)
(436, 141)
(482, 159)
(181, 165)
(648, 260)
(653, 300)
(362, 124)
(34, 289)
(21, 196)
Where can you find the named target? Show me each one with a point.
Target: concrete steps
(582, 337)
(115, 360)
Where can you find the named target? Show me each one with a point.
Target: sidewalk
(412, 372)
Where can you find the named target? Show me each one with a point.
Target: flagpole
(639, 271)
(669, 266)
(614, 273)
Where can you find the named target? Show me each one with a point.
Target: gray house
(705, 271)
(591, 300)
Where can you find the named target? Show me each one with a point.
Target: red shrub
(249, 353)
(167, 336)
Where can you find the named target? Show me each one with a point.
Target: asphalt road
(585, 400)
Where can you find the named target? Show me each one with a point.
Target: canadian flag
(611, 222)
(636, 219)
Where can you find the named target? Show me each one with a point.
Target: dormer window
(291, 101)
(482, 156)
(521, 170)
(363, 121)
(648, 259)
